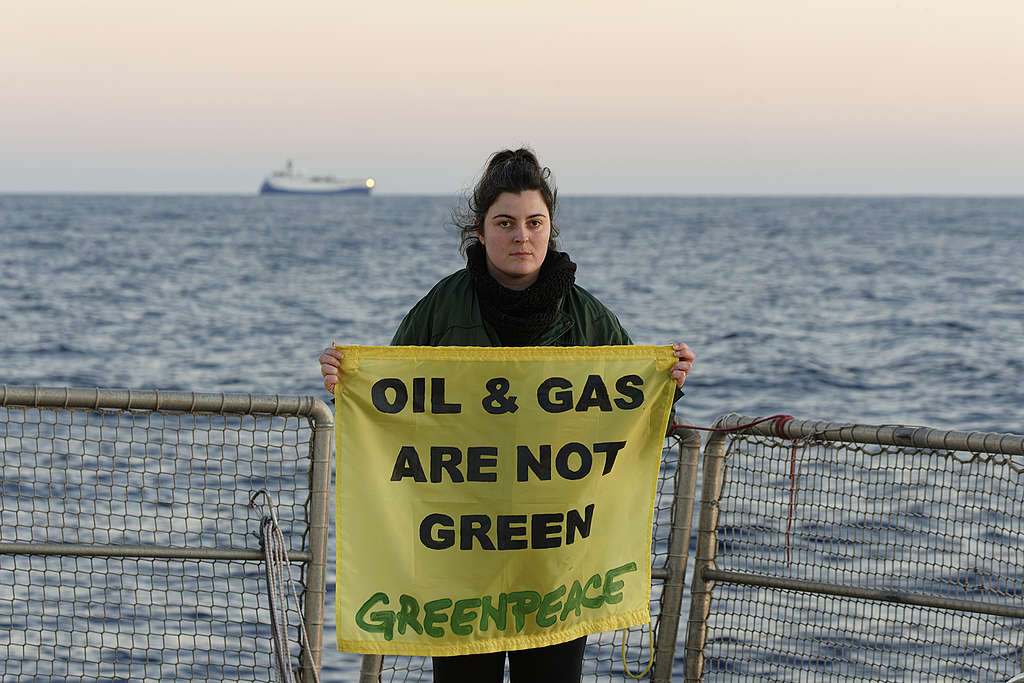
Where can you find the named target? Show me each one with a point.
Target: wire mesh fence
(859, 553)
(128, 546)
(89, 618)
(648, 651)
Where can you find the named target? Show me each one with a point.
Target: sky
(637, 97)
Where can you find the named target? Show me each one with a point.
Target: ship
(294, 181)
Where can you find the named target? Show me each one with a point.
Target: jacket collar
(471, 317)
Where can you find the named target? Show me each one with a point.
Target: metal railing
(128, 548)
(824, 550)
(674, 504)
(855, 552)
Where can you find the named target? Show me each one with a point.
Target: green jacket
(450, 316)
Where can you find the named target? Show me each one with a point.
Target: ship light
(370, 183)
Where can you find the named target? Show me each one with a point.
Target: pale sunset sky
(637, 97)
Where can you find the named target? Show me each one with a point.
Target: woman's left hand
(682, 367)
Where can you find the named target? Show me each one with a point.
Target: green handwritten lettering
(550, 607)
(595, 602)
(523, 603)
(573, 601)
(407, 614)
(488, 611)
(613, 586)
(433, 614)
(380, 622)
(462, 616)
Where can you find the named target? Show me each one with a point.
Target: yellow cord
(649, 664)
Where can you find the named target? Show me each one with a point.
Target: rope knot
(779, 425)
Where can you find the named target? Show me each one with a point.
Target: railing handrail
(886, 435)
(155, 399)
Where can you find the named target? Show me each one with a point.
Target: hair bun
(522, 156)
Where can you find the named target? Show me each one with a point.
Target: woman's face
(515, 236)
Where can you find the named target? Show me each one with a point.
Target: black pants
(562, 663)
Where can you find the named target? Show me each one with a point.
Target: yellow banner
(495, 499)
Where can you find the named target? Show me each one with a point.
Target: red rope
(779, 429)
(780, 421)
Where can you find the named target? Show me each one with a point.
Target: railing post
(369, 672)
(320, 485)
(678, 553)
(700, 589)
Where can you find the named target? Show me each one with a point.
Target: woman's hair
(507, 171)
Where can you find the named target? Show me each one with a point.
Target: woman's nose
(521, 233)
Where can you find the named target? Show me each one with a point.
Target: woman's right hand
(330, 362)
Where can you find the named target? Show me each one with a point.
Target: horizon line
(665, 195)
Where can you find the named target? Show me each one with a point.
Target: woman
(516, 290)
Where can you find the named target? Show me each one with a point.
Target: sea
(875, 310)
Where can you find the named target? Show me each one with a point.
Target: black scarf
(520, 316)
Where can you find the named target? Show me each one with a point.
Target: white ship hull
(289, 181)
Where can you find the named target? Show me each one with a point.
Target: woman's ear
(480, 235)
